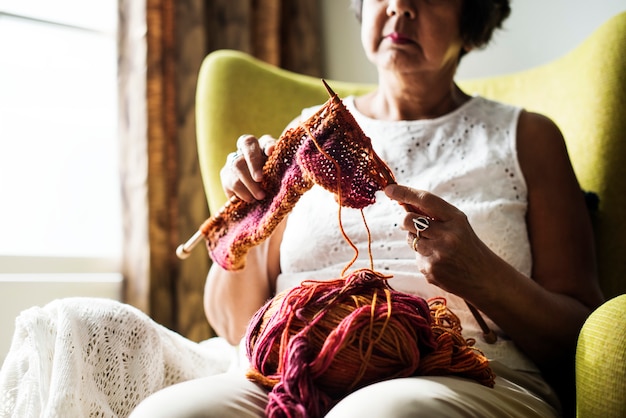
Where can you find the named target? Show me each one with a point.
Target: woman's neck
(396, 99)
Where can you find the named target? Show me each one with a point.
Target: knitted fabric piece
(328, 149)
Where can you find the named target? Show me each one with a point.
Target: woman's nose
(404, 8)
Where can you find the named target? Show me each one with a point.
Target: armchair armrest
(601, 362)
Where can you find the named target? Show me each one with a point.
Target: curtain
(161, 46)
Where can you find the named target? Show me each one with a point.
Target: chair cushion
(601, 362)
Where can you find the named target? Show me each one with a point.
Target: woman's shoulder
(536, 131)
(490, 105)
(537, 123)
(541, 146)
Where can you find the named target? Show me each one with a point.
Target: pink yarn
(311, 350)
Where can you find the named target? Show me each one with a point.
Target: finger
(258, 157)
(244, 185)
(413, 241)
(267, 143)
(417, 225)
(244, 193)
(252, 151)
(421, 247)
(245, 141)
(269, 150)
(420, 202)
(236, 180)
(239, 191)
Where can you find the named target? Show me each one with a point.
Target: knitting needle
(488, 334)
(184, 250)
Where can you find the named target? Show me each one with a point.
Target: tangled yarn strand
(314, 344)
(339, 198)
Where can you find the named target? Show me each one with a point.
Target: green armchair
(584, 92)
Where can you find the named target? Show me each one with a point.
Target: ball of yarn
(314, 344)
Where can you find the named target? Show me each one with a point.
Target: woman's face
(408, 36)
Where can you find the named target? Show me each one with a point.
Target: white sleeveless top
(467, 157)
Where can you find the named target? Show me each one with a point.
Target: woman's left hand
(448, 252)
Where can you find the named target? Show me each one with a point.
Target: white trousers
(228, 395)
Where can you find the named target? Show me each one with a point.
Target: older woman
(510, 232)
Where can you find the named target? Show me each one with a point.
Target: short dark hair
(479, 19)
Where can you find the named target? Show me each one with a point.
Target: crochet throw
(328, 149)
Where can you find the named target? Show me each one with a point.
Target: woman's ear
(467, 48)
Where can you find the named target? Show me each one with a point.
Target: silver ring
(421, 224)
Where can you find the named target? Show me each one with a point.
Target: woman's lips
(398, 38)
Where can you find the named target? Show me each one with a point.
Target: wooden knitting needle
(184, 250)
(488, 334)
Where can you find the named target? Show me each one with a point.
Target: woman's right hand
(243, 172)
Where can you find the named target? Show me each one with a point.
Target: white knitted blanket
(84, 357)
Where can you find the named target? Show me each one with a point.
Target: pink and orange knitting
(328, 149)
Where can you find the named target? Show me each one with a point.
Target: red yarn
(317, 342)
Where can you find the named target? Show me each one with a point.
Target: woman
(509, 232)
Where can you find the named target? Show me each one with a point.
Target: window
(59, 179)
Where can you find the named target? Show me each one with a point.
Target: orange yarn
(314, 344)
(455, 354)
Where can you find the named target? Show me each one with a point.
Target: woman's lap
(440, 396)
(232, 395)
(223, 395)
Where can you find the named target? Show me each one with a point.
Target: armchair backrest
(584, 92)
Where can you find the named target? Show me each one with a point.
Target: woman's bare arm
(564, 287)
(543, 313)
(232, 297)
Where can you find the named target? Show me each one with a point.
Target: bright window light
(59, 176)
